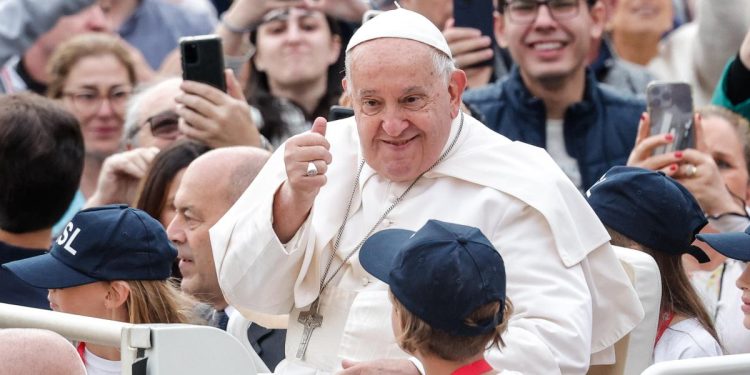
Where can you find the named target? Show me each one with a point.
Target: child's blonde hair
(158, 301)
(418, 336)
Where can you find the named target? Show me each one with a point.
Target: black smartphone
(670, 107)
(338, 112)
(476, 14)
(370, 14)
(203, 60)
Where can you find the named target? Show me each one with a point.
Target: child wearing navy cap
(648, 211)
(110, 262)
(447, 286)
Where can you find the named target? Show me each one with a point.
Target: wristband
(236, 62)
(233, 28)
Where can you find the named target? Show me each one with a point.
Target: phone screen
(670, 107)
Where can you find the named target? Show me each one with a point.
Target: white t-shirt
(99, 366)
(729, 316)
(686, 339)
(556, 149)
(724, 308)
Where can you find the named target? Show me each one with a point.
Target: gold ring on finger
(692, 171)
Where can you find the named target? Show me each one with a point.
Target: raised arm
(25, 20)
(294, 199)
(721, 26)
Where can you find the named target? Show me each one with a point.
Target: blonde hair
(158, 301)
(68, 54)
(739, 123)
(417, 335)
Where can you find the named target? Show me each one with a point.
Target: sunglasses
(164, 125)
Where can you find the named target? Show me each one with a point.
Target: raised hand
(306, 158)
(469, 47)
(642, 154)
(347, 10)
(305, 148)
(216, 118)
(120, 175)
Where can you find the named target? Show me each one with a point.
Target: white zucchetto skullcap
(403, 24)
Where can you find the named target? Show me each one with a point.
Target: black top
(738, 77)
(12, 289)
(32, 84)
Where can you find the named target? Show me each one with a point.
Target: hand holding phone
(203, 60)
(476, 14)
(670, 108)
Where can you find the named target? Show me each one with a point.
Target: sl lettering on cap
(106, 243)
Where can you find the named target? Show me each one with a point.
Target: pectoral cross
(310, 320)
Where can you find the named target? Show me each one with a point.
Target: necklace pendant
(310, 319)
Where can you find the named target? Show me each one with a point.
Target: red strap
(479, 367)
(81, 350)
(663, 325)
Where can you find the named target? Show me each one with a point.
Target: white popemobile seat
(146, 349)
(634, 352)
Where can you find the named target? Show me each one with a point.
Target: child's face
(86, 300)
(743, 282)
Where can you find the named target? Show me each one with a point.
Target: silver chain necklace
(311, 319)
(323, 282)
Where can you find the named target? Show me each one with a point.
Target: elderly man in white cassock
(409, 154)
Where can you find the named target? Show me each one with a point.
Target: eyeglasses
(164, 125)
(89, 102)
(526, 11)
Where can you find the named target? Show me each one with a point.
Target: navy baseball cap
(650, 208)
(441, 273)
(734, 245)
(105, 243)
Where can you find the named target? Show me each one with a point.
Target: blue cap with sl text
(106, 243)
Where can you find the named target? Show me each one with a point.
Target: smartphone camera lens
(191, 53)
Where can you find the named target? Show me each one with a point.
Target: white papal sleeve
(550, 329)
(255, 270)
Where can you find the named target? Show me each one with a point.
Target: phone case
(476, 14)
(338, 112)
(670, 106)
(203, 60)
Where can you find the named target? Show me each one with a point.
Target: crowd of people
(463, 220)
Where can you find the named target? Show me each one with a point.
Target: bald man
(210, 186)
(37, 351)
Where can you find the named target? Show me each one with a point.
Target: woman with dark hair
(296, 71)
(157, 190)
(156, 193)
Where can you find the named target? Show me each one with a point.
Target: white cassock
(570, 294)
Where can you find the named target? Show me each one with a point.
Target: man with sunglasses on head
(210, 116)
(551, 99)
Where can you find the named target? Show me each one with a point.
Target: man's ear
(456, 89)
(117, 294)
(598, 19)
(499, 28)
